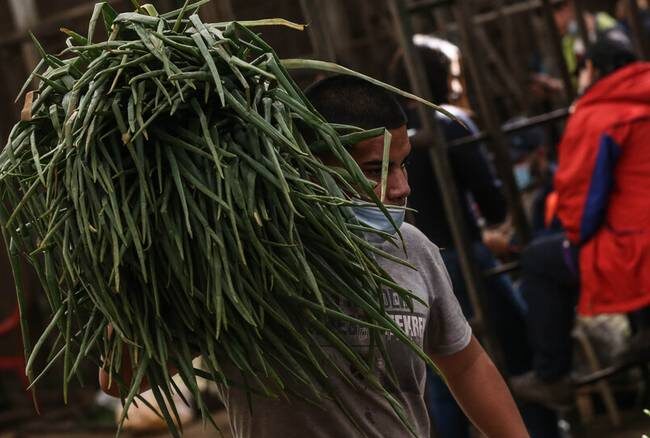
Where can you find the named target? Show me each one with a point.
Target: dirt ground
(634, 426)
(85, 420)
(64, 429)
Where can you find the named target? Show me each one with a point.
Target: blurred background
(512, 66)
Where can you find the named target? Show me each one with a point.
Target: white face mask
(373, 217)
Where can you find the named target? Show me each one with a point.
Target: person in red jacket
(603, 191)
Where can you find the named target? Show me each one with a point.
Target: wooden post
(24, 16)
(476, 66)
(320, 39)
(514, 63)
(441, 166)
(579, 12)
(638, 36)
(556, 41)
(503, 70)
(336, 21)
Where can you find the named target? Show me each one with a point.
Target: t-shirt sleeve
(448, 331)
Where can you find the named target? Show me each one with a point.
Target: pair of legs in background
(550, 285)
(506, 316)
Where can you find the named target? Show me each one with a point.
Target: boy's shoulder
(413, 236)
(417, 244)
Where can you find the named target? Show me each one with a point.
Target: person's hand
(497, 241)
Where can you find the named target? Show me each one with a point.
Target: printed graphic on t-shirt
(411, 321)
(411, 318)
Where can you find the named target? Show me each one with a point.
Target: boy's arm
(480, 390)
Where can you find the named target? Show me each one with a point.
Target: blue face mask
(373, 217)
(523, 176)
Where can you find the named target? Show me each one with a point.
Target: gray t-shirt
(439, 328)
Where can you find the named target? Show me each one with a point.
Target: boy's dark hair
(349, 100)
(608, 55)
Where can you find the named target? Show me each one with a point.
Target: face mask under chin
(373, 217)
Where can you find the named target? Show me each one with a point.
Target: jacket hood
(628, 84)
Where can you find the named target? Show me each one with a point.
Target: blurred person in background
(480, 192)
(622, 14)
(602, 259)
(533, 170)
(545, 72)
(599, 25)
(531, 167)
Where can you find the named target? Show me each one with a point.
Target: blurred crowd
(585, 199)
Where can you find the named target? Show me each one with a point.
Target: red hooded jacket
(603, 186)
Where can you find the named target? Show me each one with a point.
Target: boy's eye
(373, 173)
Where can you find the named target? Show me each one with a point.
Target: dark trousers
(506, 317)
(550, 286)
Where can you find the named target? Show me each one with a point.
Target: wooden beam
(425, 5)
(514, 9)
(539, 120)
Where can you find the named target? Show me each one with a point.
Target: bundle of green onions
(159, 182)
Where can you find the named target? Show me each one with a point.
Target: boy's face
(368, 154)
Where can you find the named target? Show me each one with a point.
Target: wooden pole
(48, 25)
(638, 37)
(503, 70)
(513, 55)
(497, 143)
(337, 22)
(24, 15)
(579, 12)
(441, 166)
(556, 42)
(321, 42)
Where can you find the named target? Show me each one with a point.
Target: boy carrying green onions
(439, 327)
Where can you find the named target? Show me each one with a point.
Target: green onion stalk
(160, 183)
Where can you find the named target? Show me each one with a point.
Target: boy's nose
(398, 188)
